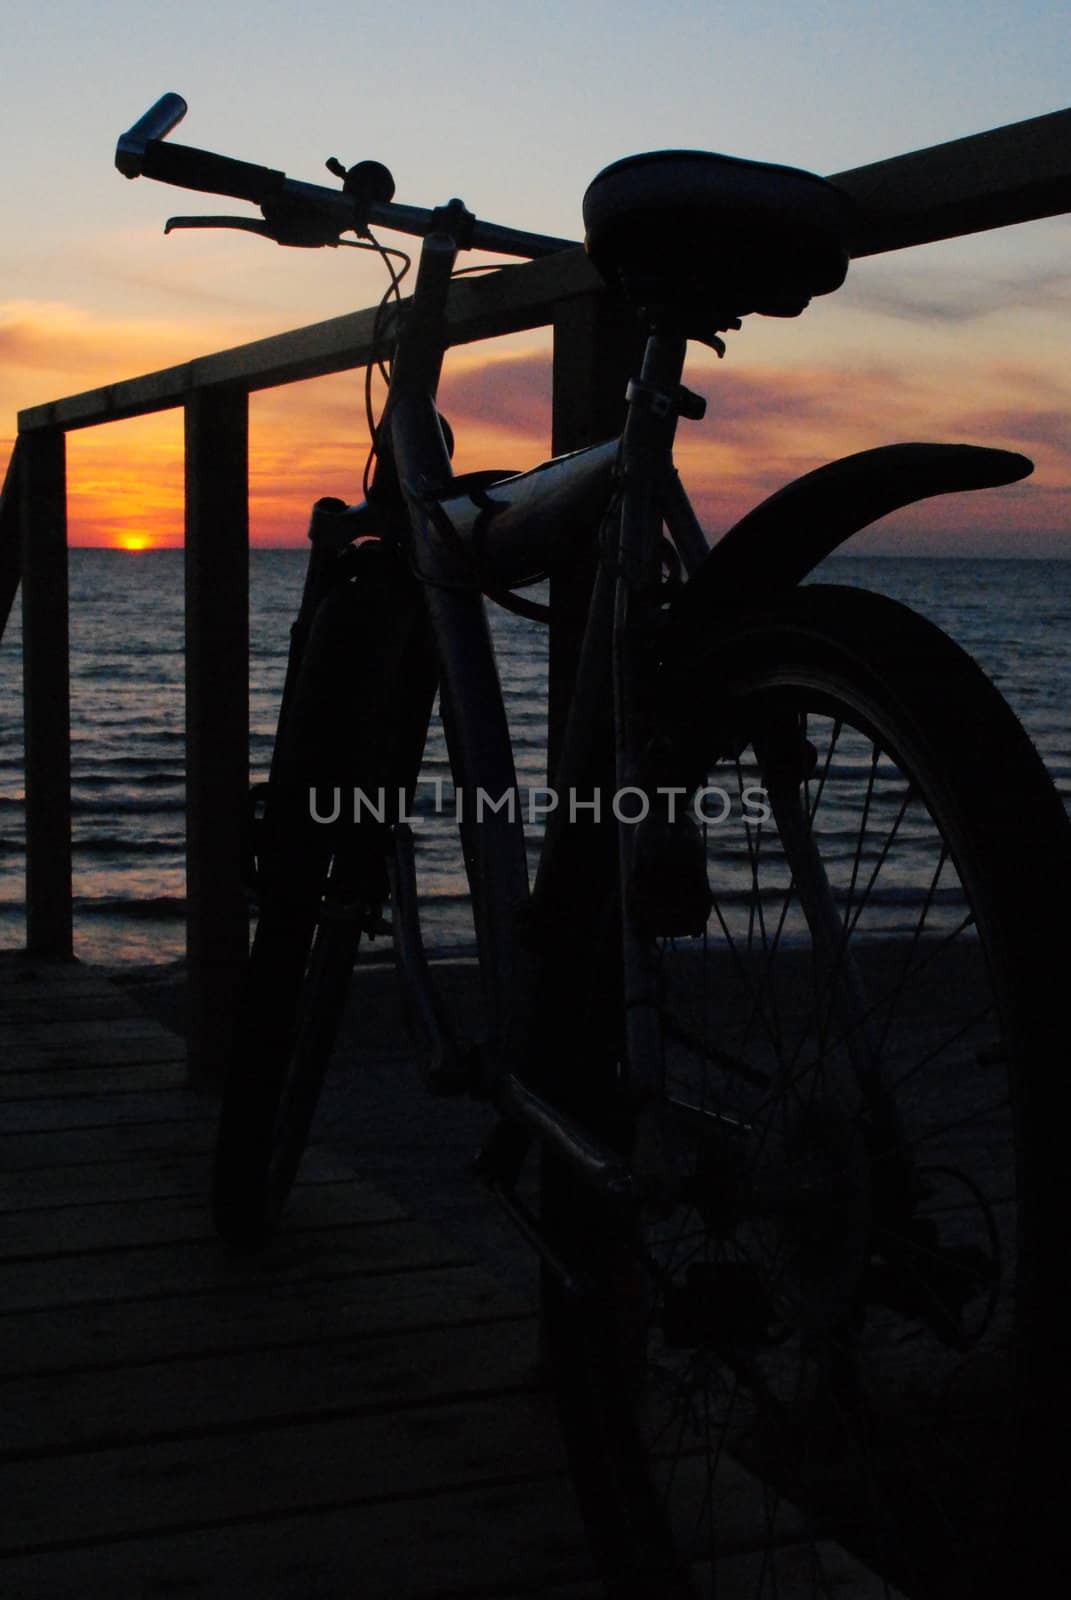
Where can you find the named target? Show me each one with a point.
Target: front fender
(778, 543)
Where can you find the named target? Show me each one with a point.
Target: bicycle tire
(827, 1335)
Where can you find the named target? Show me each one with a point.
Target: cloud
(1026, 426)
(140, 258)
(771, 427)
(1032, 414)
(952, 296)
(56, 338)
(511, 392)
(766, 424)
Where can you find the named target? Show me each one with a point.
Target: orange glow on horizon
(768, 424)
(125, 484)
(136, 541)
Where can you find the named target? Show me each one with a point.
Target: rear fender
(777, 544)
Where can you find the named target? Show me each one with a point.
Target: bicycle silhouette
(775, 1013)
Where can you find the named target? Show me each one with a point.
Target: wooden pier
(352, 1413)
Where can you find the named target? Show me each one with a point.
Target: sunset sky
(515, 107)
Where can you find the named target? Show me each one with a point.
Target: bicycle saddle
(699, 240)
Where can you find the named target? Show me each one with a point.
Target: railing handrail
(1018, 173)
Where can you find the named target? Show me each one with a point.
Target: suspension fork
(477, 731)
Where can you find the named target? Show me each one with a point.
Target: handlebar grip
(157, 123)
(209, 173)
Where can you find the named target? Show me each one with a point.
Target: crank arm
(532, 1231)
(595, 1164)
(498, 1166)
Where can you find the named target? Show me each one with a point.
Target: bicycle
(799, 1231)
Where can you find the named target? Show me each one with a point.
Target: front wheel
(819, 1364)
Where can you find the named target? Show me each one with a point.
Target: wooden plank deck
(353, 1413)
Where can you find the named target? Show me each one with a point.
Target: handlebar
(187, 168)
(305, 212)
(157, 123)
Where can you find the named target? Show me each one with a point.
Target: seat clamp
(681, 403)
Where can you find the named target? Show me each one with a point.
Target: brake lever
(246, 224)
(287, 233)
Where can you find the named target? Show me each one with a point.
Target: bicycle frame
(767, 1244)
(615, 669)
(762, 554)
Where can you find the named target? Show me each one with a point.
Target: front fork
(649, 489)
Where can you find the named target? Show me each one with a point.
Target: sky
(515, 107)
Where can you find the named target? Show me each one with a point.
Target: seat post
(663, 361)
(654, 402)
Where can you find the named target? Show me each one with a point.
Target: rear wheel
(350, 737)
(817, 1365)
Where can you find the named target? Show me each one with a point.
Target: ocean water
(1013, 616)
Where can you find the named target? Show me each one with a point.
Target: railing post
(217, 716)
(46, 693)
(10, 537)
(597, 348)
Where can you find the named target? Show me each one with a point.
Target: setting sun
(134, 541)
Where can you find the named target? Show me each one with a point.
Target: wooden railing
(1013, 174)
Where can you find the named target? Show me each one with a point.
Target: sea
(1013, 616)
